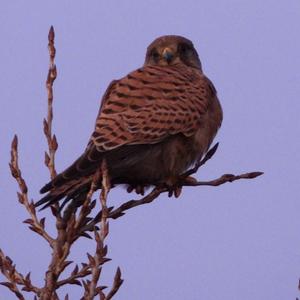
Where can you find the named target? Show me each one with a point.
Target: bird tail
(74, 189)
(71, 183)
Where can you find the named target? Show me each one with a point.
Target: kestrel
(152, 124)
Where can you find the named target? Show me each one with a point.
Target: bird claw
(174, 185)
(139, 189)
(174, 190)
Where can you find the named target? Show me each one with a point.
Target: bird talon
(139, 189)
(177, 191)
(174, 187)
(130, 188)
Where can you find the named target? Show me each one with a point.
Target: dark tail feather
(61, 179)
(74, 181)
(85, 165)
(71, 190)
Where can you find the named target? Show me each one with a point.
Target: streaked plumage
(152, 124)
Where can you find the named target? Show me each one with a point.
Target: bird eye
(154, 54)
(184, 49)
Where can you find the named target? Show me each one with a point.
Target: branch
(8, 269)
(69, 230)
(76, 274)
(51, 139)
(101, 250)
(184, 180)
(200, 162)
(69, 225)
(225, 178)
(96, 262)
(116, 285)
(35, 224)
(120, 211)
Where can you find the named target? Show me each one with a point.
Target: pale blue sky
(237, 241)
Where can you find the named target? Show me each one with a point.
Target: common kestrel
(152, 124)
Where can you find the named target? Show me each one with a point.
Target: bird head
(172, 50)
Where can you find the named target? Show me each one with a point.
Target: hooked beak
(168, 55)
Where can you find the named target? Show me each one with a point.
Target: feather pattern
(150, 104)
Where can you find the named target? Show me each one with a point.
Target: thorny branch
(74, 223)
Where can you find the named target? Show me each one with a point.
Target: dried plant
(73, 223)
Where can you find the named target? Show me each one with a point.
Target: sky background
(236, 241)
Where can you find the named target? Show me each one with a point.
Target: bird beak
(167, 54)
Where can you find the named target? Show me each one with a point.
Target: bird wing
(151, 104)
(144, 107)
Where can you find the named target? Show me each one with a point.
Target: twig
(69, 227)
(68, 232)
(225, 178)
(51, 139)
(120, 211)
(116, 285)
(35, 224)
(99, 258)
(55, 267)
(86, 208)
(75, 275)
(210, 153)
(8, 269)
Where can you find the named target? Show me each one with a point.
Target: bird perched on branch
(152, 124)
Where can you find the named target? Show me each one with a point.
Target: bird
(152, 125)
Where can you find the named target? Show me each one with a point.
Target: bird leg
(174, 185)
(189, 180)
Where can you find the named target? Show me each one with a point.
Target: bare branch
(225, 178)
(99, 258)
(8, 269)
(35, 224)
(120, 211)
(184, 180)
(69, 230)
(116, 285)
(75, 275)
(210, 153)
(51, 139)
